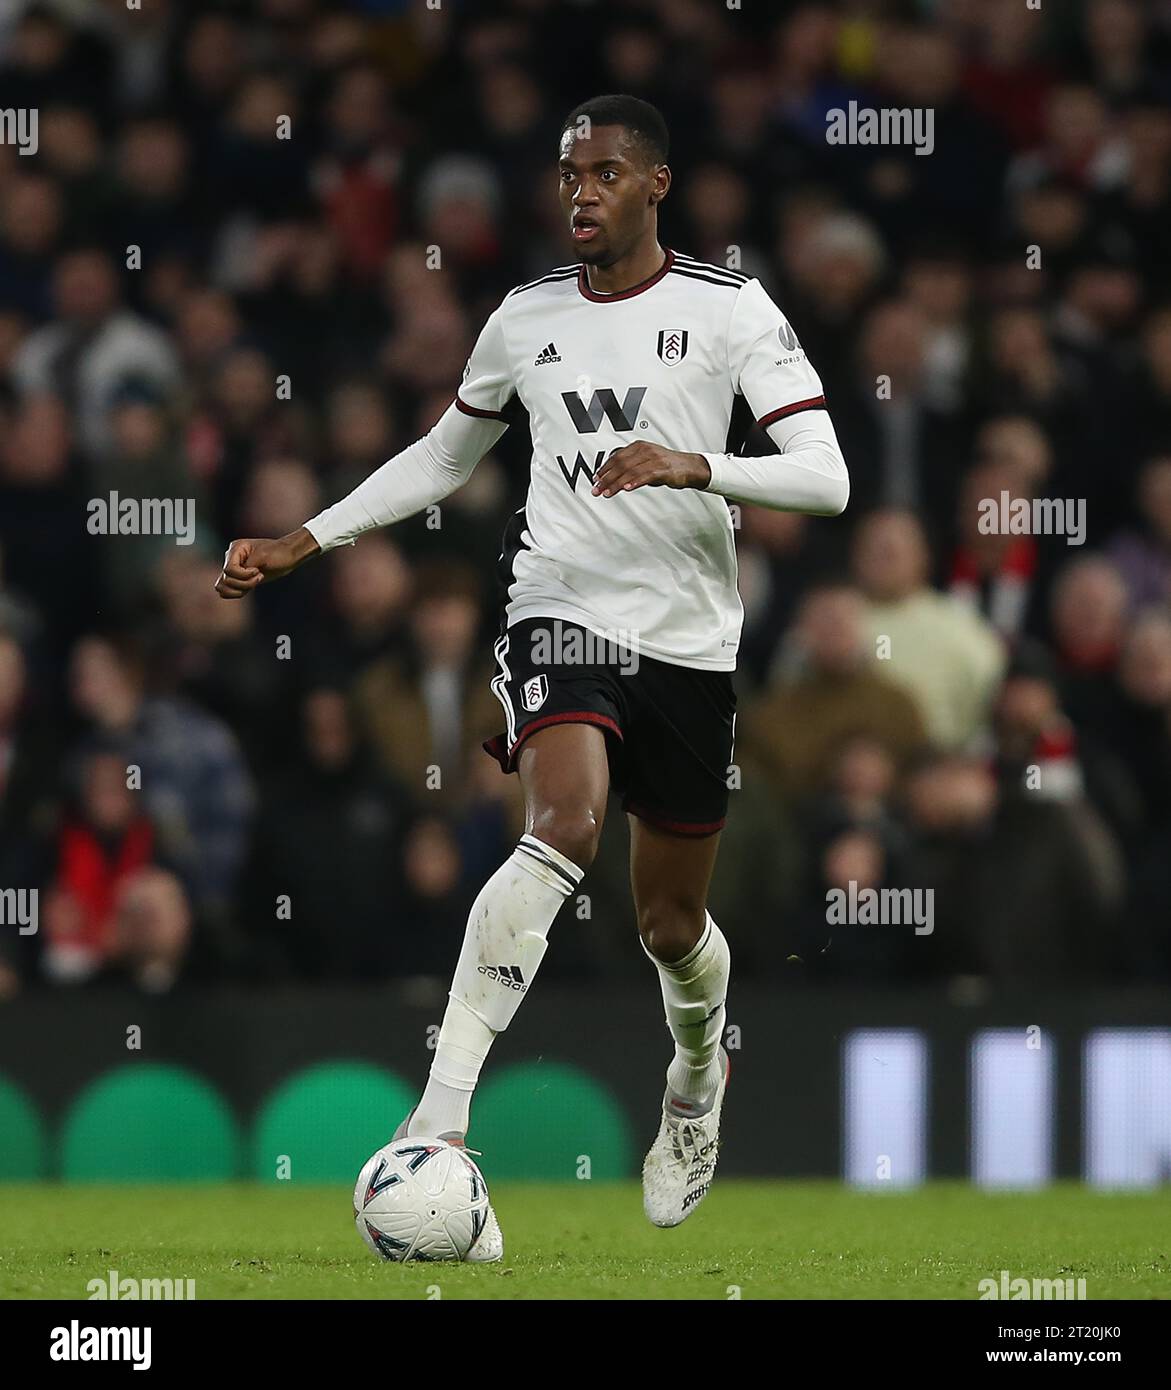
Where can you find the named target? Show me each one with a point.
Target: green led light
(539, 1120)
(22, 1137)
(323, 1123)
(149, 1123)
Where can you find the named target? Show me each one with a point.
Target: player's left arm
(769, 368)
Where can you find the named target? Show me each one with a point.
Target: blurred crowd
(245, 265)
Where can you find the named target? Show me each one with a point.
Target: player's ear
(660, 183)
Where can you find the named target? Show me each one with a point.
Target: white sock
(694, 991)
(506, 937)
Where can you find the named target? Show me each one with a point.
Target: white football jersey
(661, 362)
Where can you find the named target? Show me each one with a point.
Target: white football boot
(682, 1161)
(488, 1246)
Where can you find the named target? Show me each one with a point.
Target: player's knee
(573, 831)
(669, 929)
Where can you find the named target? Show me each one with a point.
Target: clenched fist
(246, 563)
(650, 465)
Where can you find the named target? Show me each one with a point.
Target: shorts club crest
(534, 693)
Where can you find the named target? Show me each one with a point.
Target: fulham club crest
(672, 345)
(534, 693)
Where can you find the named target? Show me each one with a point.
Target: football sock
(694, 990)
(506, 937)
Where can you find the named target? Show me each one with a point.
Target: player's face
(608, 192)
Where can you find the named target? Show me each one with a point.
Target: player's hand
(248, 562)
(649, 465)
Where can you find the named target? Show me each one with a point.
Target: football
(420, 1199)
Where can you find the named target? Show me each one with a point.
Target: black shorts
(669, 729)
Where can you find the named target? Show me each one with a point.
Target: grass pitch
(768, 1240)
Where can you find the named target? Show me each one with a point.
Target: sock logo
(507, 975)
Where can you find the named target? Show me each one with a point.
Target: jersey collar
(640, 288)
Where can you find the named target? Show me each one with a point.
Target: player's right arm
(423, 473)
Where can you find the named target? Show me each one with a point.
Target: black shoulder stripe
(710, 279)
(568, 272)
(692, 264)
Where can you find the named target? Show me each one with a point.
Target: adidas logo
(507, 975)
(546, 354)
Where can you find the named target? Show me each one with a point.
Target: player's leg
(678, 748)
(670, 876)
(565, 778)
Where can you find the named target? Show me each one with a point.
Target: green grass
(589, 1240)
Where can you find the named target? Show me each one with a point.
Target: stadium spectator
(888, 423)
(186, 764)
(28, 763)
(1135, 719)
(371, 586)
(98, 852)
(778, 557)
(832, 692)
(30, 235)
(856, 859)
(1154, 387)
(48, 551)
(93, 347)
(941, 285)
(220, 661)
(941, 652)
(152, 930)
(1016, 899)
(427, 710)
(999, 575)
(1143, 557)
(325, 873)
(1088, 623)
(1040, 757)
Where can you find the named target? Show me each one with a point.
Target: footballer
(629, 363)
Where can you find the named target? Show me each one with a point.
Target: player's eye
(609, 173)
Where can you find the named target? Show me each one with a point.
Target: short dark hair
(643, 121)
